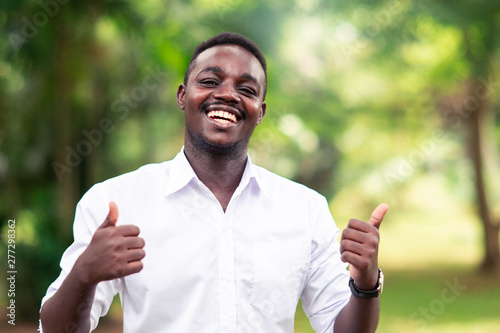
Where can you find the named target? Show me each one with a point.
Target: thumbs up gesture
(359, 247)
(114, 251)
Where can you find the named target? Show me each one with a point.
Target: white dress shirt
(207, 270)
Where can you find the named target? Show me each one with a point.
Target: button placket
(227, 286)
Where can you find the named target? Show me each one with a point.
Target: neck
(220, 169)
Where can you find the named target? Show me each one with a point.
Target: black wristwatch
(368, 293)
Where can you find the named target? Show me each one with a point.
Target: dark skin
(229, 79)
(223, 103)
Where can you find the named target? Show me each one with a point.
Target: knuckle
(123, 271)
(113, 232)
(115, 259)
(114, 245)
(133, 229)
(345, 232)
(139, 254)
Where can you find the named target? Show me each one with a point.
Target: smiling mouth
(222, 117)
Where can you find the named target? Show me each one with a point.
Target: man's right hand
(114, 251)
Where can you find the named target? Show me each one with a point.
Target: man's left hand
(359, 248)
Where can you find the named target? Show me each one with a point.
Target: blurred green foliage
(368, 101)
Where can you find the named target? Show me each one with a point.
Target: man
(230, 246)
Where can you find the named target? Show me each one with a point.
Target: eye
(209, 82)
(249, 91)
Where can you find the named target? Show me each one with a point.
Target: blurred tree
(482, 42)
(56, 74)
(447, 52)
(479, 23)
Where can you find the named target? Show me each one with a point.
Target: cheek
(195, 97)
(254, 110)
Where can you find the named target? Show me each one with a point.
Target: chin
(216, 148)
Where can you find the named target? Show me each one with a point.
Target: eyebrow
(217, 69)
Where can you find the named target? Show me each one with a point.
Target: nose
(226, 93)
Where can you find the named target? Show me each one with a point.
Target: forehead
(232, 59)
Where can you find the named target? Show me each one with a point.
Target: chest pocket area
(279, 273)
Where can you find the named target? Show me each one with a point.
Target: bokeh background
(368, 101)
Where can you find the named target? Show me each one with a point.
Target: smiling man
(222, 98)
(231, 247)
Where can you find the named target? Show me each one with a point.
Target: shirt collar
(181, 174)
(251, 175)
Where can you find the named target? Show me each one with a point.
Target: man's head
(223, 96)
(228, 38)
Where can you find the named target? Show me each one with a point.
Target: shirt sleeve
(90, 213)
(326, 289)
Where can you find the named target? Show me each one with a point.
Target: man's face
(223, 98)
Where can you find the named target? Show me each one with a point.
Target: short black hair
(228, 38)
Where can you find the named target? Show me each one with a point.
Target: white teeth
(223, 116)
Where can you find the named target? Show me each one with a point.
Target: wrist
(367, 281)
(370, 292)
(82, 275)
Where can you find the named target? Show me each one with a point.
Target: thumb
(378, 215)
(112, 217)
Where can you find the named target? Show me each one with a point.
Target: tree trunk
(63, 133)
(475, 124)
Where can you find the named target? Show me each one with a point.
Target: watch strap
(357, 292)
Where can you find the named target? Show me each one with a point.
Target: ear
(262, 112)
(181, 94)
